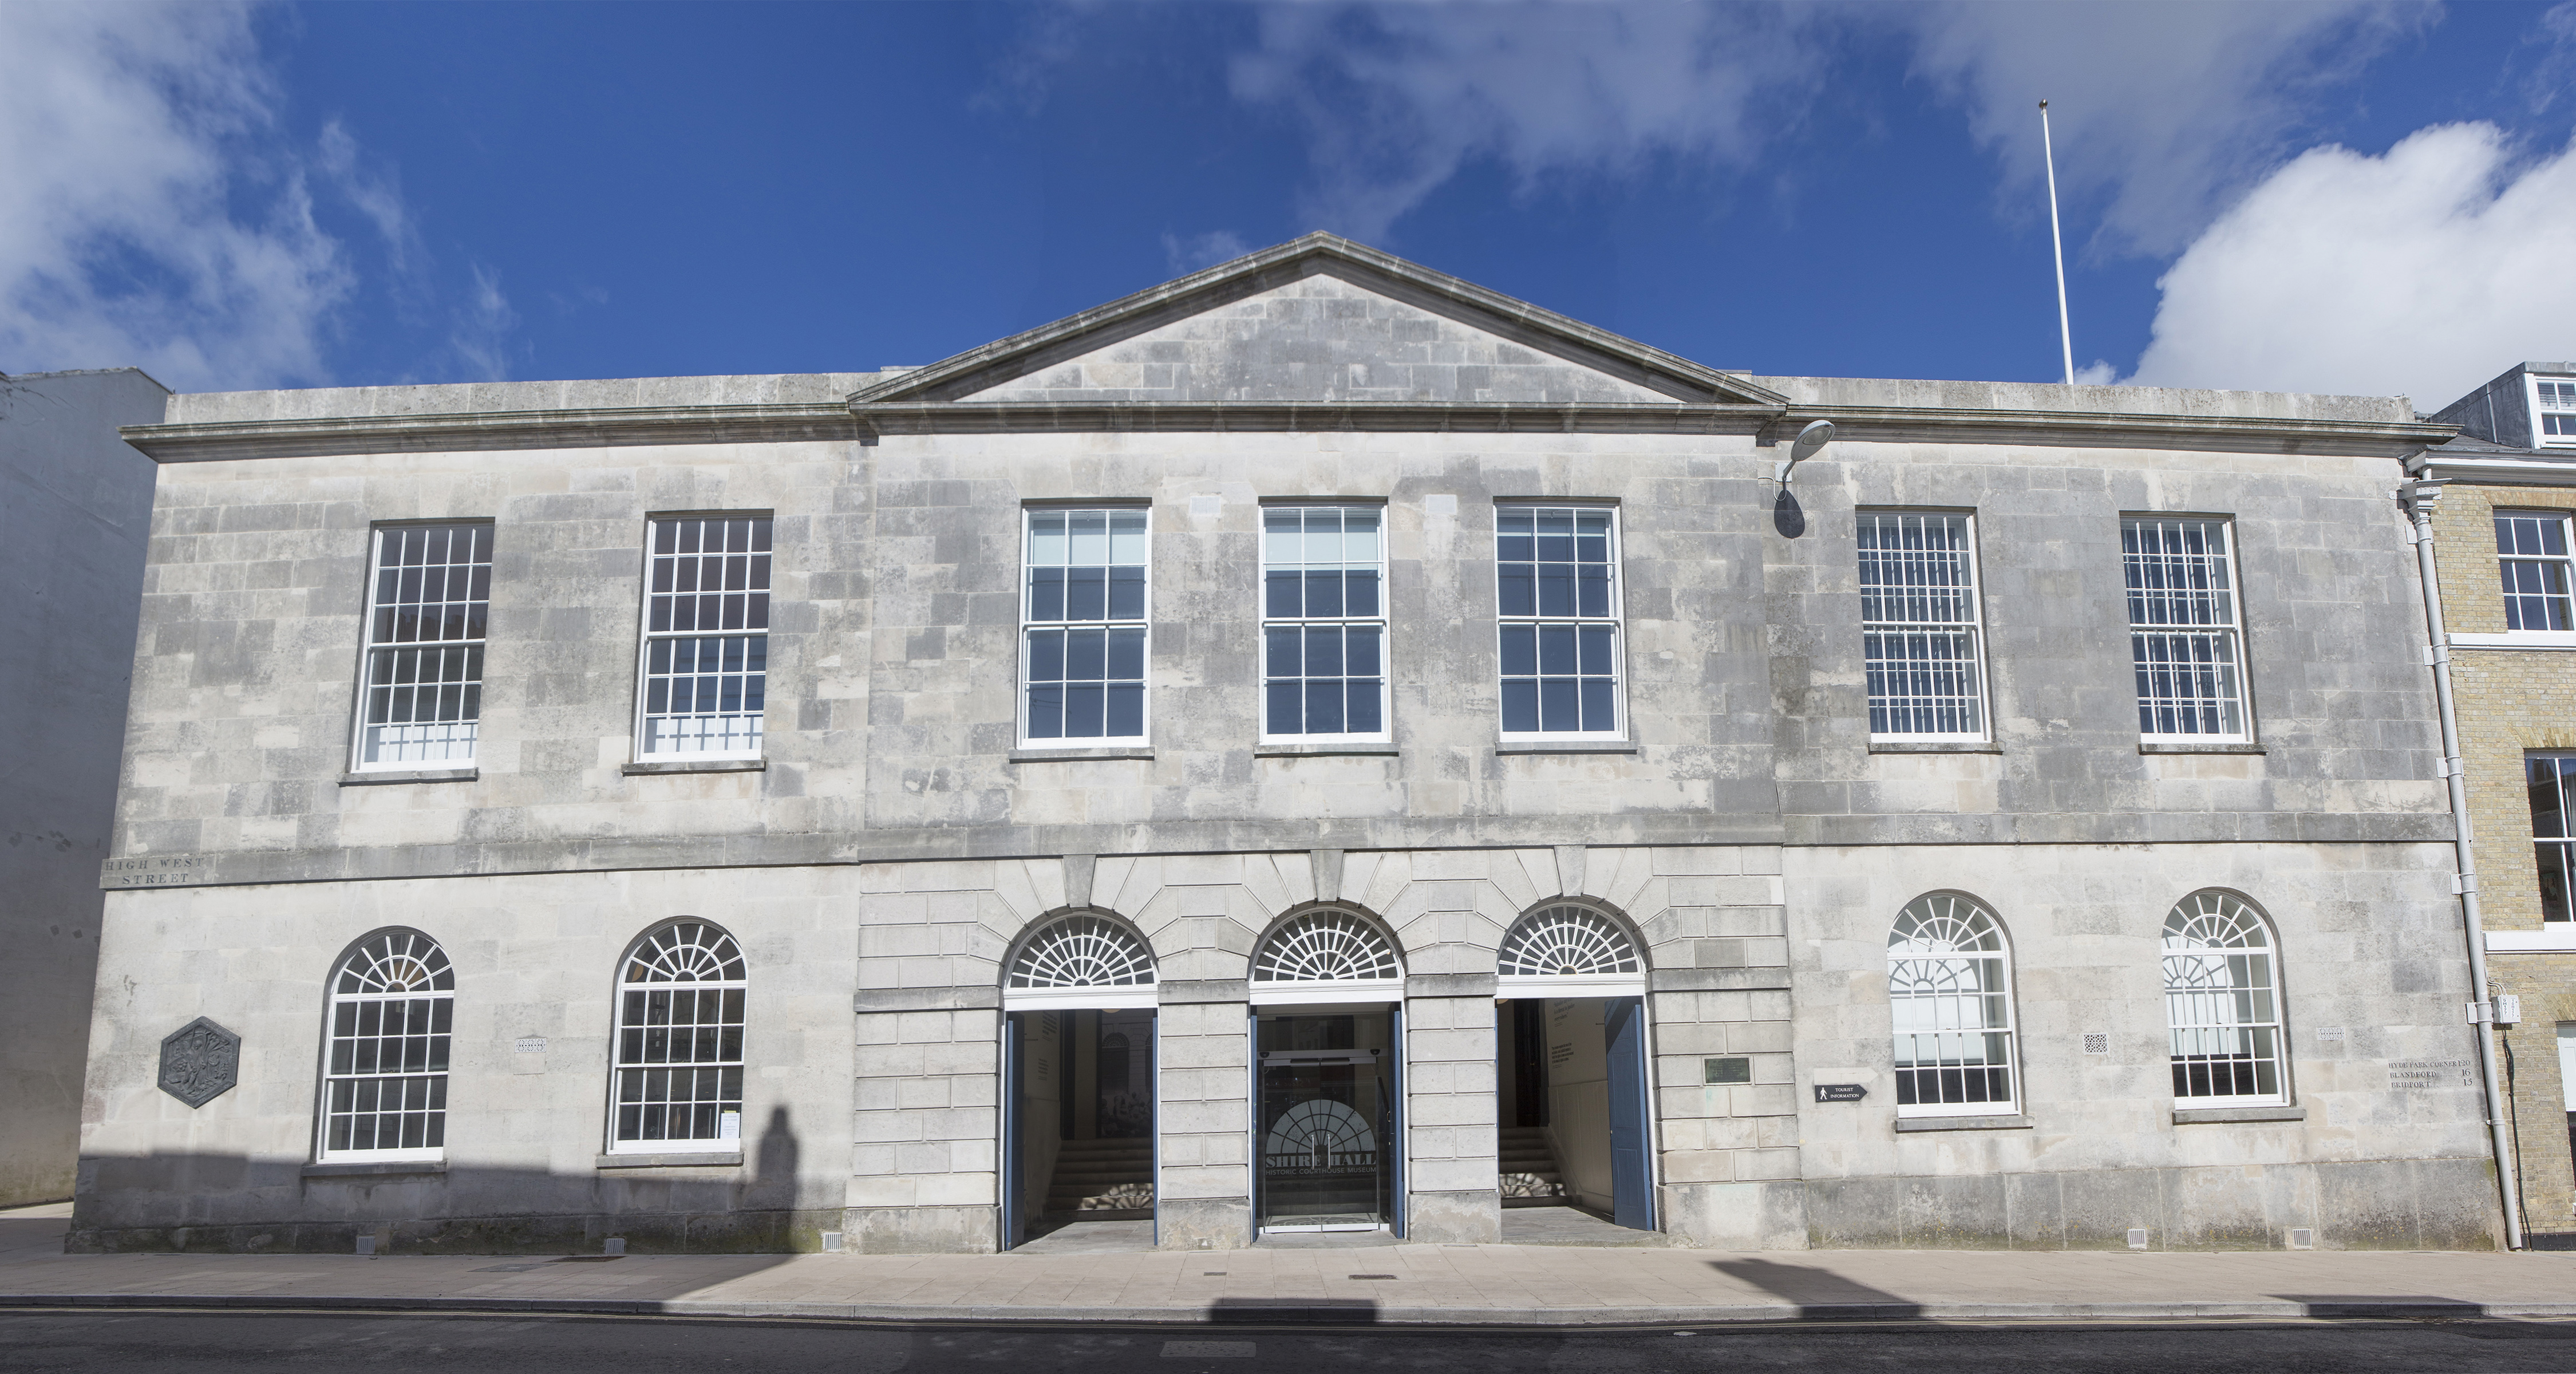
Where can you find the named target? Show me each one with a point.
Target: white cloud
(1187, 255)
(2165, 111)
(157, 215)
(1396, 98)
(483, 337)
(2424, 271)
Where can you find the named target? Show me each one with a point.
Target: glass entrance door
(1327, 1121)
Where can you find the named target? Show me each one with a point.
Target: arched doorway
(1078, 1138)
(1327, 1031)
(1576, 1128)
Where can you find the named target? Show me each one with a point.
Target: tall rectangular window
(424, 695)
(1084, 627)
(1323, 622)
(2184, 635)
(2553, 829)
(1556, 574)
(2532, 558)
(706, 638)
(1921, 630)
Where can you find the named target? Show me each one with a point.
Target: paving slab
(1399, 1284)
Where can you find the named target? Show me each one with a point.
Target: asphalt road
(140, 1342)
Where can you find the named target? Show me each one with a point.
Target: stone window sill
(730, 1159)
(2185, 1116)
(377, 777)
(1566, 746)
(696, 766)
(2176, 746)
(1308, 751)
(1934, 747)
(1041, 755)
(386, 1169)
(1962, 1123)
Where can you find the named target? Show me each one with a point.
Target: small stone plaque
(1840, 1092)
(1730, 1069)
(200, 1062)
(2422, 1075)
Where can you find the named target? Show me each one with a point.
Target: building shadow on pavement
(237, 1205)
(1819, 1294)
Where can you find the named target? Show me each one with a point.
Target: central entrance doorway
(1328, 1119)
(1576, 1134)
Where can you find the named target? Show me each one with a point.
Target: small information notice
(1840, 1092)
(2421, 1075)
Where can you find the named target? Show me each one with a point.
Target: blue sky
(2364, 196)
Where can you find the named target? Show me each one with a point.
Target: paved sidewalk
(1480, 1285)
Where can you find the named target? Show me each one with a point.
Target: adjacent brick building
(2500, 530)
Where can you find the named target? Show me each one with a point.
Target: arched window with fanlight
(1949, 993)
(679, 1065)
(2223, 1004)
(392, 1015)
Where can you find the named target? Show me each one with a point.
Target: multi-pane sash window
(1949, 993)
(2184, 635)
(706, 638)
(1323, 621)
(679, 1038)
(1556, 573)
(424, 695)
(1084, 627)
(2223, 1004)
(1921, 630)
(384, 1086)
(2554, 413)
(2531, 556)
(2553, 829)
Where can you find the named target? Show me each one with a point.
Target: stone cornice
(806, 849)
(2494, 470)
(750, 424)
(1161, 417)
(2116, 429)
(485, 430)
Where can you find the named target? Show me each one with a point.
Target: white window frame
(2564, 564)
(2194, 1004)
(1616, 621)
(440, 988)
(763, 597)
(475, 646)
(620, 1065)
(1974, 627)
(1378, 621)
(1144, 622)
(2556, 852)
(2231, 690)
(2548, 396)
(2009, 1028)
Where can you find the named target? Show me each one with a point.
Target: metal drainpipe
(2419, 497)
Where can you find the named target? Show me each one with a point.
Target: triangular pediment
(1320, 320)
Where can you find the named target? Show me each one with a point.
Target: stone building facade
(75, 507)
(2509, 482)
(1284, 750)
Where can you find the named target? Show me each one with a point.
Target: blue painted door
(1014, 1158)
(1632, 1194)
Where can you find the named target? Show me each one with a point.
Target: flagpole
(2057, 244)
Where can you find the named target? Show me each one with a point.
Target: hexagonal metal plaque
(200, 1062)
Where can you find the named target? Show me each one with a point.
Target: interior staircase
(1103, 1180)
(1530, 1175)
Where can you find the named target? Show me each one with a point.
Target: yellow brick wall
(2510, 703)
